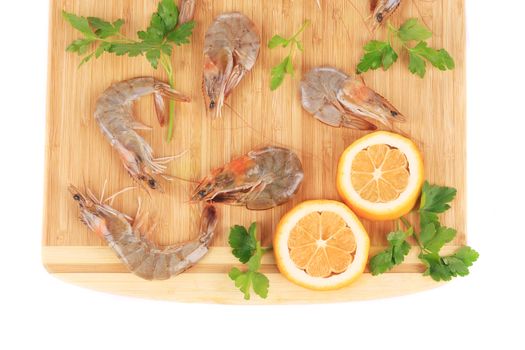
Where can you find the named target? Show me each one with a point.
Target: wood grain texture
(77, 153)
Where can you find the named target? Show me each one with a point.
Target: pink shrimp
(127, 238)
(114, 115)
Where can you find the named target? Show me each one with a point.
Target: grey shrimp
(340, 100)
(114, 115)
(140, 255)
(261, 179)
(231, 47)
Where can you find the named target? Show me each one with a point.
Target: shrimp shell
(231, 47)
(262, 179)
(140, 255)
(114, 115)
(339, 100)
(186, 10)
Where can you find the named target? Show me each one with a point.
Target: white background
(485, 309)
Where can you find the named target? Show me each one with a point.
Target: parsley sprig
(432, 237)
(286, 66)
(381, 54)
(155, 43)
(248, 250)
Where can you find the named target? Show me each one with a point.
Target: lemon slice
(380, 176)
(321, 245)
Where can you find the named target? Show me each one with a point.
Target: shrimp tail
(187, 10)
(233, 80)
(208, 223)
(162, 91)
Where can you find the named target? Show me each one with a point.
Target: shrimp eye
(152, 183)
(202, 193)
(212, 104)
(379, 17)
(76, 197)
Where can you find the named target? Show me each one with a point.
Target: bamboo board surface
(77, 153)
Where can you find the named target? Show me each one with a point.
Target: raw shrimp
(186, 10)
(381, 10)
(340, 100)
(114, 115)
(262, 179)
(231, 47)
(140, 255)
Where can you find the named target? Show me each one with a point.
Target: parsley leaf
(79, 23)
(105, 29)
(394, 255)
(434, 200)
(181, 34)
(153, 57)
(261, 284)
(413, 30)
(378, 54)
(277, 40)
(382, 54)
(440, 59)
(248, 250)
(243, 242)
(416, 65)
(461, 261)
(155, 43)
(80, 45)
(432, 237)
(278, 73)
(245, 280)
(169, 14)
(436, 268)
(444, 268)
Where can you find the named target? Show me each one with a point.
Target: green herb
(279, 72)
(381, 54)
(155, 43)
(394, 255)
(434, 200)
(432, 237)
(249, 251)
(243, 242)
(378, 54)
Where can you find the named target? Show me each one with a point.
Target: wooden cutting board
(77, 153)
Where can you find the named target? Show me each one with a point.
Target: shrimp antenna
(84, 181)
(103, 190)
(268, 140)
(363, 18)
(91, 196)
(247, 125)
(419, 142)
(164, 160)
(111, 198)
(420, 14)
(174, 177)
